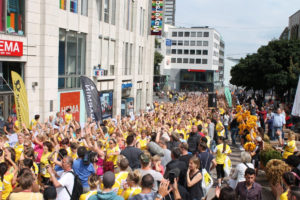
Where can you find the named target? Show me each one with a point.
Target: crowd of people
(166, 152)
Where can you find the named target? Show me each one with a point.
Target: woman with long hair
(193, 178)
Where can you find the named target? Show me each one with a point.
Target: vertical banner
(106, 99)
(70, 100)
(157, 17)
(20, 99)
(296, 105)
(228, 97)
(92, 100)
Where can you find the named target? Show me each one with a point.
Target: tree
(275, 66)
(158, 58)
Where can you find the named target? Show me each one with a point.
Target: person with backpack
(68, 187)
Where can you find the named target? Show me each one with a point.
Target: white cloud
(245, 25)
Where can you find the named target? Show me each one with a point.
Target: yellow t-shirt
(284, 196)
(220, 129)
(68, 118)
(32, 124)
(143, 144)
(86, 196)
(17, 126)
(289, 149)
(44, 163)
(120, 179)
(220, 156)
(7, 187)
(18, 149)
(36, 169)
(112, 158)
(130, 192)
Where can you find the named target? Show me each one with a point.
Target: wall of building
(105, 45)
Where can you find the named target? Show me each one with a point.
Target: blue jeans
(274, 135)
(234, 132)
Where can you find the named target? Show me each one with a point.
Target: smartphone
(171, 177)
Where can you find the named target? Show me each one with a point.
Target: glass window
(113, 12)
(199, 43)
(173, 51)
(185, 60)
(199, 34)
(186, 43)
(74, 6)
(15, 17)
(201, 76)
(204, 61)
(198, 61)
(173, 60)
(174, 34)
(180, 34)
(179, 60)
(179, 51)
(106, 11)
(193, 43)
(84, 7)
(192, 52)
(205, 52)
(186, 34)
(180, 42)
(71, 58)
(192, 61)
(62, 4)
(186, 52)
(174, 42)
(198, 52)
(205, 43)
(206, 34)
(193, 34)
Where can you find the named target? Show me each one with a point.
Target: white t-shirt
(66, 179)
(239, 173)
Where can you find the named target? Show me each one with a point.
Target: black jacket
(193, 142)
(133, 156)
(181, 166)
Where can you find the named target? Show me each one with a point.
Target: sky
(244, 25)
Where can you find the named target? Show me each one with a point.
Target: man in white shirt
(66, 179)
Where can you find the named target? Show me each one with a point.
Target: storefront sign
(157, 17)
(126, 85)
(70, 100)
(168, 42)
(11, 48)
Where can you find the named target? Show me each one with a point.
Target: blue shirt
(83, 171)
(278, 120)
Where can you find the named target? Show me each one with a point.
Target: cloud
(245, 25)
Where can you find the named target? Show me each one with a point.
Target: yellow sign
(20, 99)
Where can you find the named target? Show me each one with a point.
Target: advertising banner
(106, 99)
(11, 48)
(92, 100)
(70, 100)
(157, 17)
(21, 100)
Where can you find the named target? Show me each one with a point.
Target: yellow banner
(20, 99)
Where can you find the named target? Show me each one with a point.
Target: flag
(20, 99)
(296, 105)
(228, 97)
(92, 100)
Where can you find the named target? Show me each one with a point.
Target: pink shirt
(39, 149)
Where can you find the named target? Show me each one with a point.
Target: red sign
(70, 100)
(11, 48)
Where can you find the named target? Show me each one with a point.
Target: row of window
(189, 43)
(190, 51)
(189, 60)
(190, 34)
(74, 6)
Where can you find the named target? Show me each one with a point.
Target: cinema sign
(11, 48)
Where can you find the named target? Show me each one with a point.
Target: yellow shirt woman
(7, 187)
(68, 118)
(220, 156)
(130, 192)
(143, 144)
(44, 163)
(18, 149)
(220, 129)
(289, 149)
(112, 158)
(120, 180)
(86, 196)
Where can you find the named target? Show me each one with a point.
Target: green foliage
(269, 154)
(273, 66)
(158, 58)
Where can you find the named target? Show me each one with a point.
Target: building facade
(294, 26)
(169, 12)
(105, 40)
(194, 63)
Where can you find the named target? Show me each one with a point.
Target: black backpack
(77, 188)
